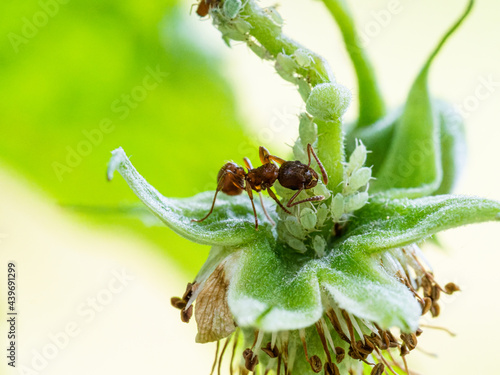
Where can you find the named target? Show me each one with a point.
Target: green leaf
(361, 286)
(275, 289)
(413, 167)
(371, 103)
(378, 137)
(389, 223)
(231, 223)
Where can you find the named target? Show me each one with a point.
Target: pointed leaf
(363, 288)
(389, 223)
(453, 146)
(412, 167)
(275, 289)
(231, 223)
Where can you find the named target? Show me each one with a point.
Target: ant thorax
(295, 175)
(262, 177)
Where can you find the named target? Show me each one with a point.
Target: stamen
(216, 356)
(186, 314)
(235, 344)
(410, 339)
(321, 334)
(378, 369)
(439, 328)
(356, 325)
(381, 358)
(314, 361)
(284, 349)
(258, 343)
(336, 325)
(222, 355)
(328, 335)
(451, 288)
(251, 360)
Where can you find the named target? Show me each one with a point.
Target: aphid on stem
(293, 175)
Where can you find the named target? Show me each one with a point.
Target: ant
(292, 175)
(204, 7)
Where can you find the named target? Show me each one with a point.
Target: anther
(187, 314)
(410, 339)
(340, 354)
(331, 369)
(451, 288)
(378, 369)
(315, 363)
(251, 360)
(271, 352)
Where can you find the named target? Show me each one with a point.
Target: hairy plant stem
(330, 135)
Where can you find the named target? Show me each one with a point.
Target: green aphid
(355, 202)
(337, 207)
(308, 218)
(232, 8)
(358, 179)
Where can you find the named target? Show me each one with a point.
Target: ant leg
(248, 163)
(250, 195)
(266, 157)
(220, 185)
(265, 211)
(271, 193)
(310, 151)
(316, 198)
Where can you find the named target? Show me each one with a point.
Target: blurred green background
(80, 78)
(133, 67)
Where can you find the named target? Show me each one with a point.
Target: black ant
(293, 175)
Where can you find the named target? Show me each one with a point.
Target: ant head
(311, 178)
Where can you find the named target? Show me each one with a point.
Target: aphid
(293, 175)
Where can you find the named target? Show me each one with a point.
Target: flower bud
(328, 101)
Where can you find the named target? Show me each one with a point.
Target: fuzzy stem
(269, 35)
(331, 152)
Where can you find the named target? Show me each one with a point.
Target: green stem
(331, 152)
(270, 36)
(371, 103)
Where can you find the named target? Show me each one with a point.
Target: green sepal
(357, 283)
(230, 224)
(275, 289)
(413, 166)
(387, 223)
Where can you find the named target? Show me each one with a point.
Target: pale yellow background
(62, 262)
